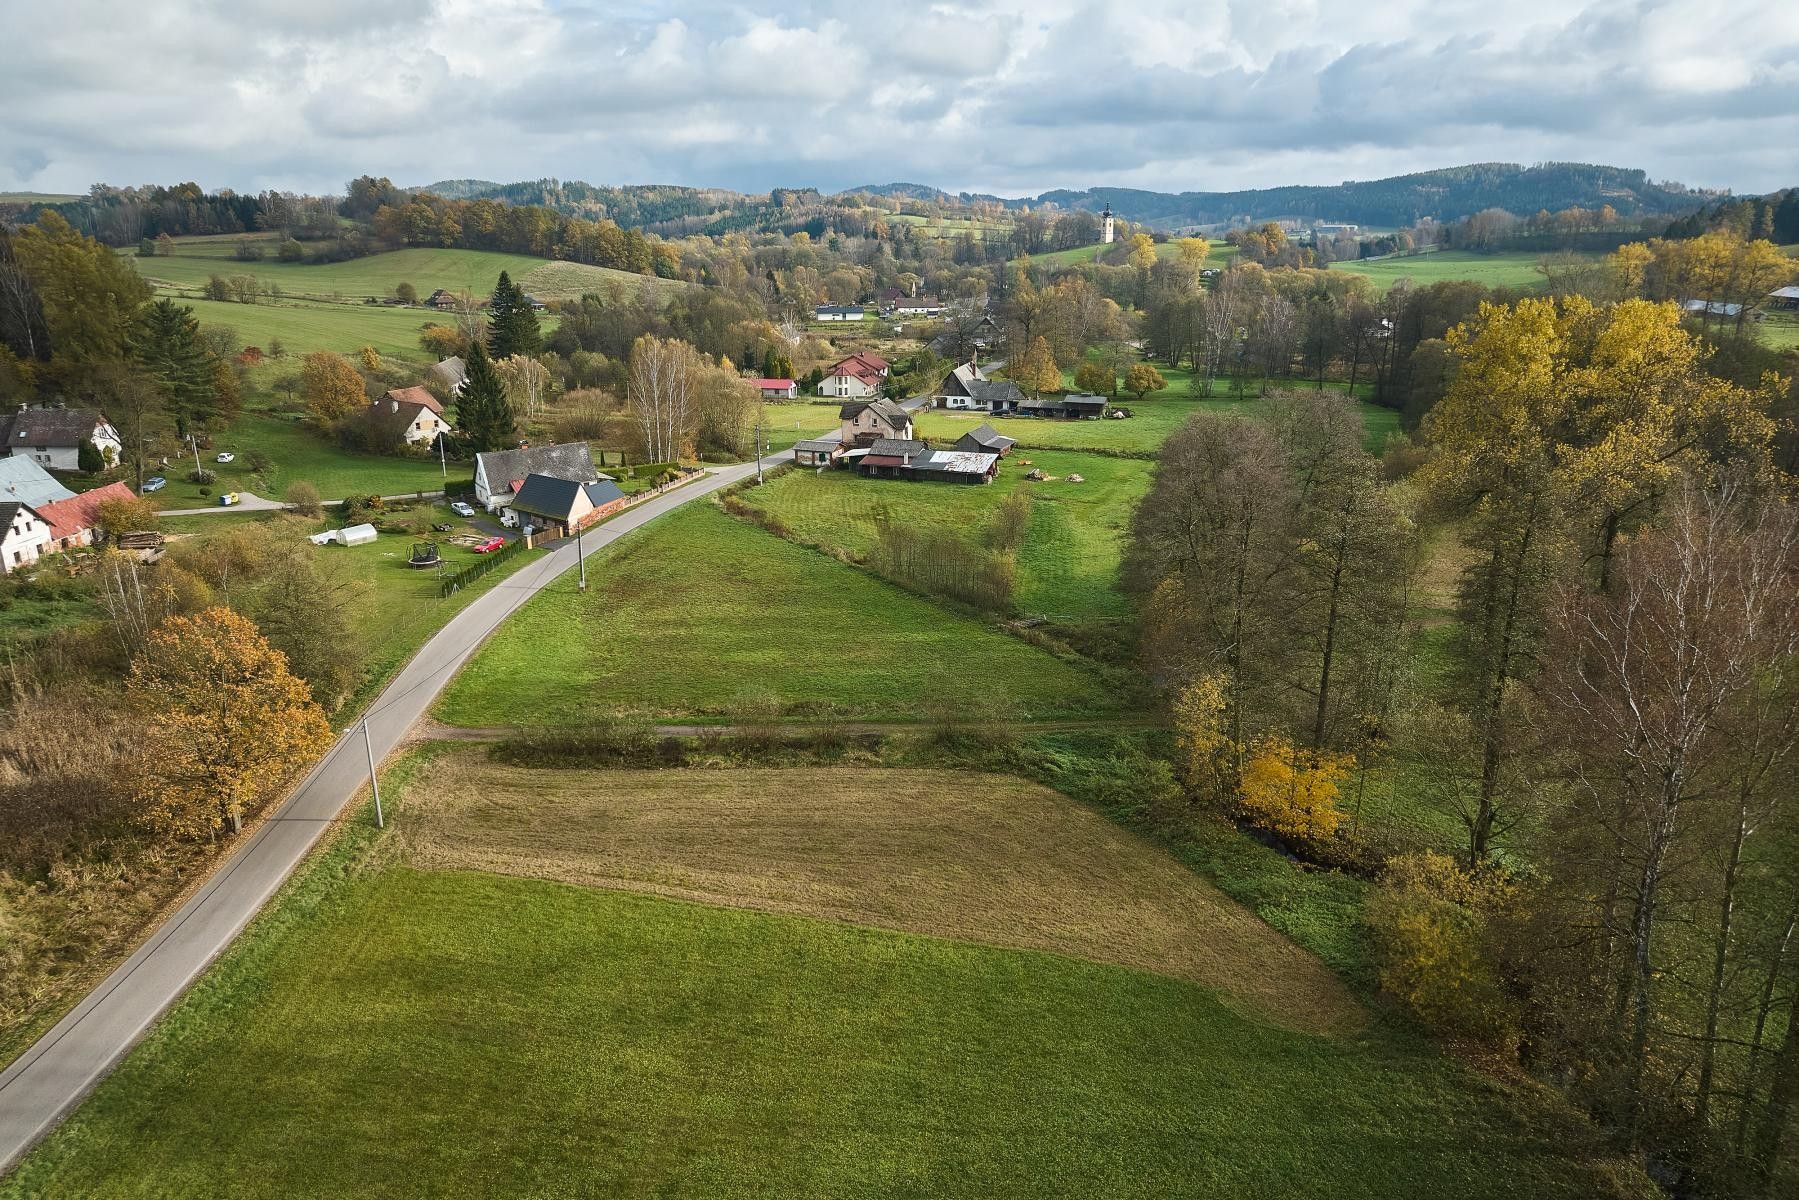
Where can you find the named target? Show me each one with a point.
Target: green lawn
(699, 613)
(427, 270)
(390, 1031)
(298, 454)
(1068, 565)
(304, 326)
(1510, 269)
(1779, 329)
(1154, 421)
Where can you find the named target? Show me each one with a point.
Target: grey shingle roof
(992, 390)
(986, 437)
(603, 493)
(816, 444)
(897, 447)
(60, 427)
(567, 460)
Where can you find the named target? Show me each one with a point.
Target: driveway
(251, 502)
(51, 1077)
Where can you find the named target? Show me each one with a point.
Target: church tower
(1106, 230)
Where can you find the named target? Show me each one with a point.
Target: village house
(52, 437)
(416, 412)
(776, 389)
(23, 480)
(985, 439)
(863, 422)
(839, 312)
(920, 306)
(968, 389)
(71, 521)
(500, 473)
(443, 300)
(854, 378)
(552, 507)
(451, 372)
(24, 535)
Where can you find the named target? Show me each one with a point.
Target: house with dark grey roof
(866, 420)
(1074, 406)
(968, 388)
(52, 437)
(985, 439)
(452, 372)
(553, 507)
(500, 473)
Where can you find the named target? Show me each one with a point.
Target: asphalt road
(39, 1088)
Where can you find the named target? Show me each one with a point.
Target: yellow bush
(1293, 792)
(1429, 920)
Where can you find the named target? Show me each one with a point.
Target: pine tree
(511, 322)
(483, 414)
(168, 344)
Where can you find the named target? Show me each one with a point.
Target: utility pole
(758, 454)
(368, 746)
(194, 445)
(582, 560)
(442, 464)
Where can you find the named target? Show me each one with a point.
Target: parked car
(461, 508)
(490, 545)
(155, 483)
(227, 499)
(225, 456)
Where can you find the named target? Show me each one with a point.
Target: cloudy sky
(1013, 97)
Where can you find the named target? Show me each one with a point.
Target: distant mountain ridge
(1443, 195)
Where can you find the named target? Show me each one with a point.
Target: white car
(461, 508)
(225, 456)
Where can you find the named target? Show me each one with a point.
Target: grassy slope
(300, 454)
(395, 1031)
(1512, 269)
(1068, 565)
(699, 613)
(304, 326)
(376, 275)
(1154, 421)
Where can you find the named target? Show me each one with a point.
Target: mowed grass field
(1509, 269)
(297, 453)
(699, 614)
(197, 259)
(395, 1027)
(1156, 418)
(1068, 564)
(307, 325)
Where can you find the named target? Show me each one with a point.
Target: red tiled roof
(407, 396)
(67, 518)
(770, 385)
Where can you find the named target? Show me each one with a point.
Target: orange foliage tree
(225, 722)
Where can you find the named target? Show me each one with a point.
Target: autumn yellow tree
(1143, 379)
(1293, 791)
(1035, 370)
(225, 722)
(332, 387)
(1143, 251)
(1194, 251)
(1207, 754)
(1096, 378)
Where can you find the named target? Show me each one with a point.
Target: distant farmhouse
(967, 388)
(839, 312)
(921, 306)
(1074, 406)
(451, 372)
(863, 423)
(52, 437)
(416, 412)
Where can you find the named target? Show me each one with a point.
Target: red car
(490, 545)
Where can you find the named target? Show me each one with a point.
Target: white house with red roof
(857, 377)
(776, 389)
(419, 414)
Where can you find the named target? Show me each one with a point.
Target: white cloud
(999, 96)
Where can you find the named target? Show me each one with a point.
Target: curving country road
(39, 1088)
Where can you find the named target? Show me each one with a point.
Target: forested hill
(1446, 195)
(637, 205)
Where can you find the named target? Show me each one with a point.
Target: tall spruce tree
(168, 345)
(483, 414)
(512, 324)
